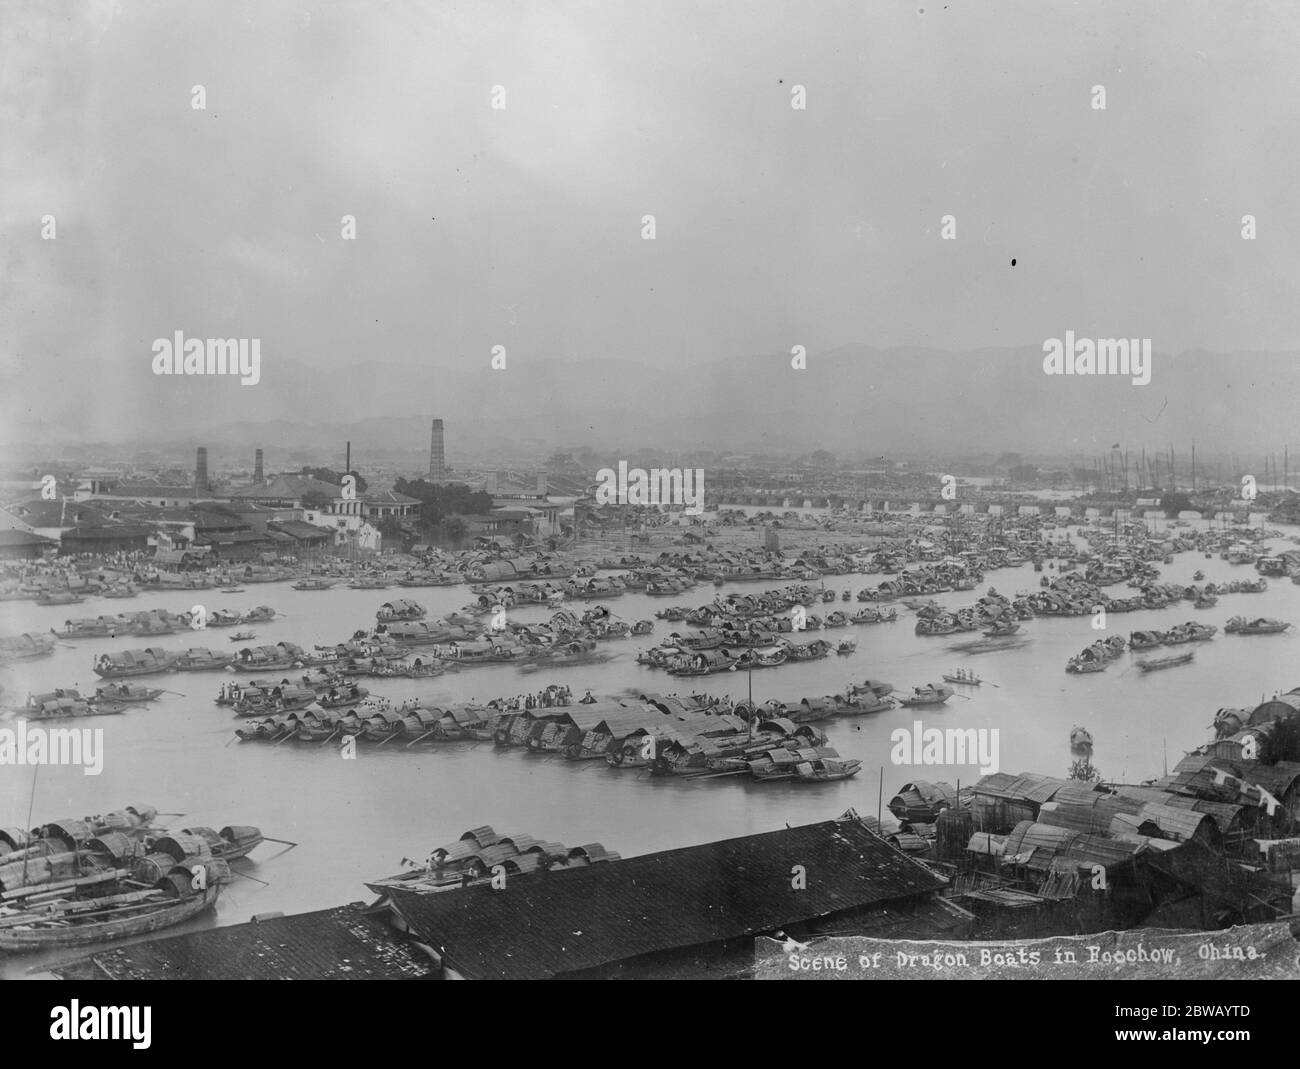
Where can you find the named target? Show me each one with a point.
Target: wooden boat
(281, 698)
(962, 675)
(764, 657)
(64, 704)
(1146, 640)
(98, 627)
(1080, 665)
(343, 697)
(59, 597)
(1239, 625)
(232, 842)
(224, 618)
(319, 726)
(813, 651)
(127, 591)
(69, 922)
(314, 584)
(946, 626)
(819, 764)
(202, 660)
(268, 729)
(243, 636)
(836, 619)
(1001, 628)
(259, 615)
(127, 693)
(265, 658)
(26, 646)
(927, 695)
(847, 646)
(874, 616)
(1190, 632)
(401, 609)
(1172, 661)
(148, 661)
(701, 663)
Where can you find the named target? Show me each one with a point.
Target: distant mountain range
(852, 398)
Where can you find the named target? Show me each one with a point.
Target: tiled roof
(286, 488)
(108, 531)
(300, 529)
(37, 513)
(560, 922)
(343, 943)
(15, 537)
(388, 497)
(152, 490)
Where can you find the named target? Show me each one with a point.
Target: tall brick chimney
(201, 470)
(437, 458)
(258, 475)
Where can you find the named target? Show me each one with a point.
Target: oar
(287, 737)
(248, 877)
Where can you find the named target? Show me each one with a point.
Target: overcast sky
(522, 226)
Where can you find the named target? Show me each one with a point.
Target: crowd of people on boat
(554, 695)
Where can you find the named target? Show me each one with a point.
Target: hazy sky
(522, 226)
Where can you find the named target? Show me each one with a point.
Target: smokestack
(347, 459)
(258, 475)
(541, 484)
(201, 470)
(492, 482)
(437, 459)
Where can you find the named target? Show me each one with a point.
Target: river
(356, 819)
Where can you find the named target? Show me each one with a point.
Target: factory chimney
(201, 470)
(258, 475)
(437, 458)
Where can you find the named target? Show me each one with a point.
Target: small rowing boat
(927, 695)
(1158, 663)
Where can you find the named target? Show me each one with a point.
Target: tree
(314, 499)
(335, 478)
(437, 502)
(455, 529)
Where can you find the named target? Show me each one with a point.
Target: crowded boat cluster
(664, 735)
(78, 881)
